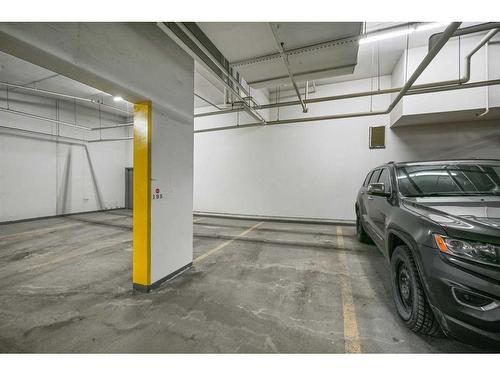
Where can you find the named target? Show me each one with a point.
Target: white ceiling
(16, 71)
(240, 41)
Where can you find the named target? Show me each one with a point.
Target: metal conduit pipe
(222, 112)
(284, 58)
(43, 118)
(128, 124)
(465, 78)
(70, 124)
(207, 101)
(41, 133)
(421, 67)
(83, 141)
(110, 139)
(470, 85)
(335, 117)
(191, 53)
(466, 31)
(67, 96)
(486, 67)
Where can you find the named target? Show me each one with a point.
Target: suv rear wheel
(409, 296)
(360, 231)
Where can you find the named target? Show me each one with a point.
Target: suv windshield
(449, 179)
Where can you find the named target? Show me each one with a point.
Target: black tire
(409, 296)
(361, 234)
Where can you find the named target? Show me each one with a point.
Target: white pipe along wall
(314, 170)
(46, 176)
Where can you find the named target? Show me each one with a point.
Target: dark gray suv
(438, 224)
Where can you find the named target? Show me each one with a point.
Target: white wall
(171, 171)
(40, 177)
(314, 170)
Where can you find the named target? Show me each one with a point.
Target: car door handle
(370, 197)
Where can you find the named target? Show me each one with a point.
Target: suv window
(449, 179)
(367, 178)
(386, 179)
(375, 176)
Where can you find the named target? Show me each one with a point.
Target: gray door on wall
(129, 188)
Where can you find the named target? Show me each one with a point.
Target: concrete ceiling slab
(243, 41)
(20, 72)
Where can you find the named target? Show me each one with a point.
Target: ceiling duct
(314, 50)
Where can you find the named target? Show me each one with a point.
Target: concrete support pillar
(163, 196)
(140, 63)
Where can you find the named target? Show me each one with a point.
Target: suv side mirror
(378, 188)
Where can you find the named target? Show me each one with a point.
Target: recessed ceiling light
(117, 98)
(401, 32)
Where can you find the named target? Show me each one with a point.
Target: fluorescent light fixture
(401, 32)
(117, 98)
(431, 26)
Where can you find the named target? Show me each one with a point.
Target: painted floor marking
(351, 334)
(224, 244)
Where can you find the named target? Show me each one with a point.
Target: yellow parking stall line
(351, 334)
(224, 244)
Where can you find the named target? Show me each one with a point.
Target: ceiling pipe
(470, 85)
(223, 112)
(65, 123)
(41, 133)
(82, 141)
(126, 125)
(416, 74)
(487, 106)
(284, 58)
(43, 118)
(253, 113)
(464, 79)
(466, 31)
(110, 139)
(207, 101)
(413, 92)
(66, 96)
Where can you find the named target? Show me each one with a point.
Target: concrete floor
(65, 286)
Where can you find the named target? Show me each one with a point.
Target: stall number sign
(157, 194)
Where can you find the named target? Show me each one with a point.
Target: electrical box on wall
(377, 136)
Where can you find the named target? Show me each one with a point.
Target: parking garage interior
(192, 189)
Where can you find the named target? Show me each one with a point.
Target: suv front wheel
(409, 296)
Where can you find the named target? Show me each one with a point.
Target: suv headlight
(476, 251)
